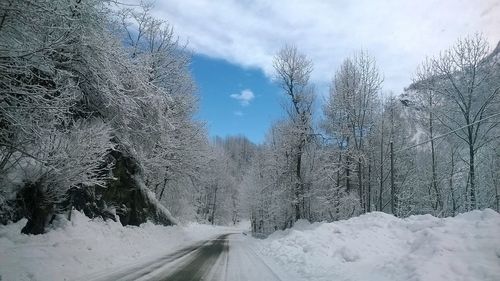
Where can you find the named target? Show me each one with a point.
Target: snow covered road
(373, 246)
(227, 257)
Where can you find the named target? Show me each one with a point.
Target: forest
(97, 114)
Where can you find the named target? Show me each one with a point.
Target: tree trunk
(299, 192)
(214, 207)
(393, 189)
(381, 186)
(439, 201)
(452, 189)
(338, 171)
(360, 186)
(37, 208)
(165, 180)
(472, 178)
(347, 174)
(369, 190)
(497, 197)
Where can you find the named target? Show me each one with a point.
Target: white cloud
(400, 34)
(238, 113)
(245, 97)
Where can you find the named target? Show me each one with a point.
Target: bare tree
(467, 82)
(427, 102)
(354, 94)
(292, 74)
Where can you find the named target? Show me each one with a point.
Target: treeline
(96, 114)
(433, 149)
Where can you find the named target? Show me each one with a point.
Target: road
(225, 258)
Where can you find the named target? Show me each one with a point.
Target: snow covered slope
(84, 246)
(378, 246)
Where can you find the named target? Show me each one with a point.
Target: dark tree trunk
(338, 171)
(381, 183)
(452, 189)
(439, 201)
(360, 186)
(299, 190)
(214, 207)
(369, 190)
(472, 178)
(347, 175)
(393, 188)
(37, 208)
(165, 180)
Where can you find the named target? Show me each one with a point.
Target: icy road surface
(228, 257)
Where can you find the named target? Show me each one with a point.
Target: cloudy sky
(399, 34)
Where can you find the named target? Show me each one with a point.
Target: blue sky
(223, 107)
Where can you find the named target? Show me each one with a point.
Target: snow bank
(378, 246)
(82, 246)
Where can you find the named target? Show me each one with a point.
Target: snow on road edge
(82, 246)
(378, 246)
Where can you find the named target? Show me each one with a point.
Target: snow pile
(378, 246)
(83, 246)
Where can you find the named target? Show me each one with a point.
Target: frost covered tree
(240, 152)
(292, 72)
(350, 117)
(268, 187)
(79, 111)
(465, 79)
(169, 143)
(44, 145)
(217, 200)
(428, 103)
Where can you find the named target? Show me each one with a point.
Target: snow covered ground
(83, 246)
(372, 247)
(378, 246)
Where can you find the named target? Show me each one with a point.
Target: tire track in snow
(228, 257)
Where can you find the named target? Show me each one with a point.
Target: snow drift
(378, 246)
(83, 246)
